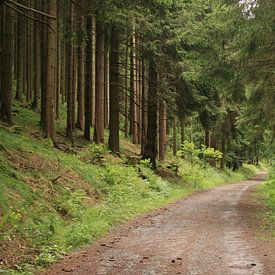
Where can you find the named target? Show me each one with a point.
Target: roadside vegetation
(267, 191)
(54, 201)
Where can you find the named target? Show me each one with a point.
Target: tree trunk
(150, 148)
(106, 87)
(99, 92)
(114, 92)
(70, 71)
(81, 78)
(144, 120)
(93, 71)
(29, 63)
(37, 65)
(133, 93)
(126, 125)
(49, 125)
(182, 131)
(174, 134)
(20, 57)
(6, 70)
(88, 82)
(207, 141)
(162, 129)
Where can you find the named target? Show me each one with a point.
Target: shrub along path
(211, 232)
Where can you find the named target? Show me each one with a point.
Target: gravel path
(211, 232)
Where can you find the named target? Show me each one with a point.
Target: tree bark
(49, 126)
(144, 120)
(114, 92)
(174, 134)
(150, 148)
(37, 65)
(88, 81)
(126, 124)
(162, 129)
(70, 71)
(81, 78)
(44, 60)
(182, 131)
(6, 70)
(99, 92)
(20, 57)
(207, 141)
(106, 87)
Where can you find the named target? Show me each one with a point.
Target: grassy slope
(267, 191)
(52, 202)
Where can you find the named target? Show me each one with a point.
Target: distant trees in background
(199, 71)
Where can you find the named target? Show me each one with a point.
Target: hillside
(55, 200)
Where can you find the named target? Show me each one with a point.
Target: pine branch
(28, 16)
(29, 9)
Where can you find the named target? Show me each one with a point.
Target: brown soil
(211, 232)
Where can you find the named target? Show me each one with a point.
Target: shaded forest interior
(150, 70)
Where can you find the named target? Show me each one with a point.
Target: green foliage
(268, 193)
(97, 151)
(192, 154)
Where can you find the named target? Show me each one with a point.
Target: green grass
(267, 191)
(55, 202)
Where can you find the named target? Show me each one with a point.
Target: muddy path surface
(211, 232)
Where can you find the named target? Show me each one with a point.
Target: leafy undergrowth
(267, 192)
(54, 201)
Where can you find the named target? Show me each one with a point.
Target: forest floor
(211, 232)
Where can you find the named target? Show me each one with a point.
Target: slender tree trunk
(133, 92)
(182, 131)
(58, 65)
(223, 150)
(20, 57)
(88, 83)
(6, 70)
(162, 129)
(114, 92)
(106, 87)
(144, 120)
(207, 141)
(29, 57)
(44, 60)
(37, 65)
(81, 78)
(99, 93)
(150, 148)
(126, 125)
(93, 71)
(70, 71)
(49, 125)
(174, 134)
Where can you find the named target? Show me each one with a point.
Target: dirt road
(212, 232)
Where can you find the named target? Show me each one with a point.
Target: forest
(94, 94)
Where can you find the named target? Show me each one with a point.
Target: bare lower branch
(29, 9)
